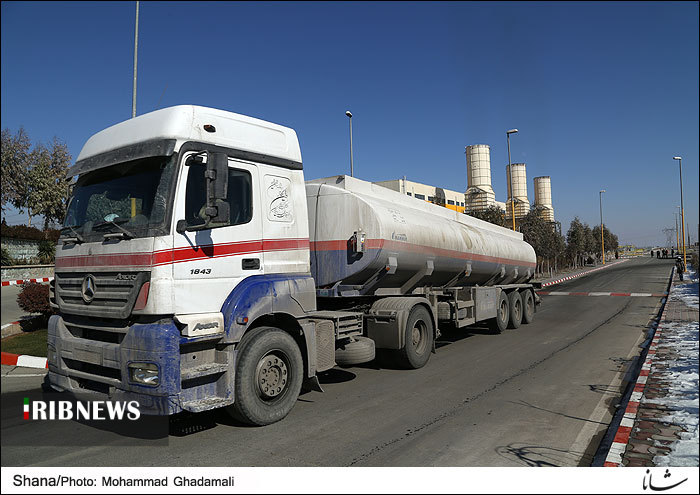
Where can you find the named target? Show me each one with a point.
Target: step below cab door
(209, 263)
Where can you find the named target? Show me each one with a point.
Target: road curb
(5, 283)
(14, 328)
(571, 277)
(24, 360)
(624, 430)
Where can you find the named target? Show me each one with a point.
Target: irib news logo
(64, 410)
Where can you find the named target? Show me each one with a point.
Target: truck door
(209, 263)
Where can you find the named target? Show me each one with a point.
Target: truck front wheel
(268, 379)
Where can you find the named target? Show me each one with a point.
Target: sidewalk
(660, 425)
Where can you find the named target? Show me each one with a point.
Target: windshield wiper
(77, 238)
(125, 234)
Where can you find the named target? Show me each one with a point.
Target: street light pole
(680, 171)
(352, 168)
(602, 238)
(136, 50)
(676, 219)
(510, 177)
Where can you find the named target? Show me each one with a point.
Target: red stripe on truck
(178, 255)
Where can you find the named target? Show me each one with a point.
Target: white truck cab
(147, 259)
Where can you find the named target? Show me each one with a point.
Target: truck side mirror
(217, 163)
(217, 210)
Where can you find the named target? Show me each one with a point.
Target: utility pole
(602, 238)
(352, 168)
(136, 50)
(510, 177)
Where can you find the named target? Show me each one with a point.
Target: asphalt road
(10, 310)
(541, 395)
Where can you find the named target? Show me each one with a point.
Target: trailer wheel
(528, 306)
(357, 351)
(516, 309)
(418, 339)
(500, 322)
(269, 374)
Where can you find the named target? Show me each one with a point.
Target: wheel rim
(272, 375)
(419, 336)
(530, 305)
(518, 310)
(503, 310)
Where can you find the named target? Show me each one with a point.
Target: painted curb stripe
(24, 360)
(5, 283)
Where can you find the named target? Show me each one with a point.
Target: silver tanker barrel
(369, 240)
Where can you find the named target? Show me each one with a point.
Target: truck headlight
(144, 374)
(52, 355)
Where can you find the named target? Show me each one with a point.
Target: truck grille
(113, 296)
(95, 330)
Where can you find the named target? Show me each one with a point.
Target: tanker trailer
(409, 265)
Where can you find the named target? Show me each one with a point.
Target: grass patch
(31, 343)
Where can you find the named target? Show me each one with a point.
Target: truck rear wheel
(418, 339)
(516, 309)
(528, 306)
(357, 351)
(500, 322)
(269, 373)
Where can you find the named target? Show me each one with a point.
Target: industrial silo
(519, 184)
(479, 195)
(543, 197)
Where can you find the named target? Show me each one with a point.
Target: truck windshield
(132, 195)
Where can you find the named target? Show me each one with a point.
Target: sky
(604, 94)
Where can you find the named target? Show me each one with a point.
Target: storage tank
(543, 197)
(402, 239)
(479, 194)
(519, 183)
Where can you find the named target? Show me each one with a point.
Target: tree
(576, 241)
(34, 181)
(15, 183)
(610, 239)
(542, 236)
(50, 188)
(493, 214)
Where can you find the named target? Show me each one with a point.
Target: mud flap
(312, 384)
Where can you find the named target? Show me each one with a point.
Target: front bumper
(90, 360)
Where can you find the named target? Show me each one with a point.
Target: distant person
(652, 253)
(658, 254)
(680, 267)
(671, 252)
(617, 255)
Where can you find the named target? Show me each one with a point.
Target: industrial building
(518, 194)
(449, 199)
(479, 195)
(543, 197)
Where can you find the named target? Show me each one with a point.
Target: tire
(528, 306)
(500, 322)
(418, 339)
(357, 351)
(516, 309)
(269, 375)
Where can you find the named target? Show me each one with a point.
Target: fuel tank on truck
(369, 240)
